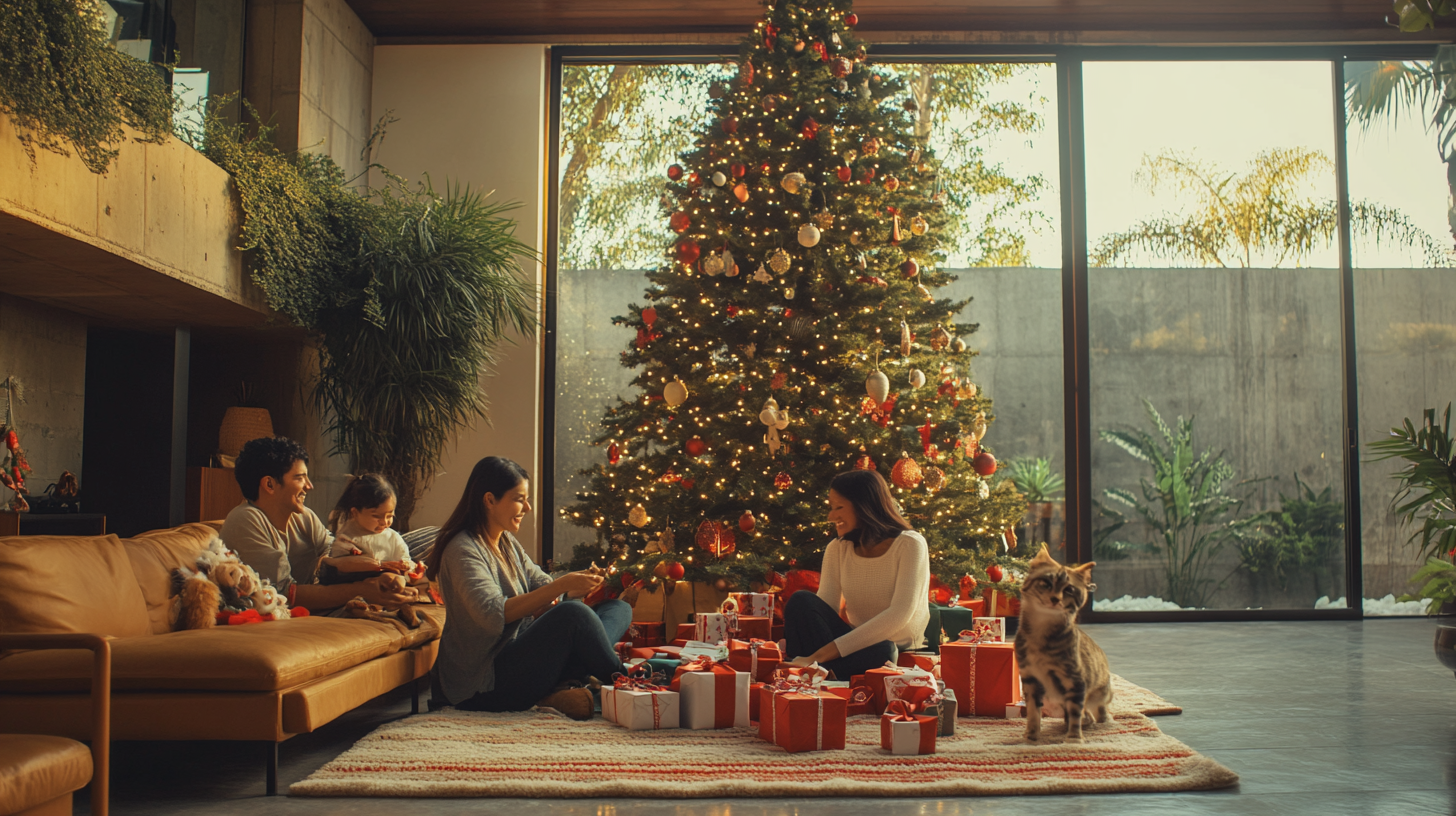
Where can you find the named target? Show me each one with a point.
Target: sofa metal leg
(272, 748)
(415, 696)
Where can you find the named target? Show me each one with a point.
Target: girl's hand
(577, 584)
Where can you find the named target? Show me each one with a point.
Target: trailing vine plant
(65, 88)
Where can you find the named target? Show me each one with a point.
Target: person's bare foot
(576, 703)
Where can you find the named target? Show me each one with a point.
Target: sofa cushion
(154, 555)
(35, 769)
(69, 584)
(253, 657)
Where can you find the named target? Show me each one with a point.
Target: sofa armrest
(100, 648)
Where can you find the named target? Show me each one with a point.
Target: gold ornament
(824, 219)
(978, 426)
(637, 517)
(713, 265)
(789, 293)
(808, 235)
(793, 182)
(906, 474)
(939, 338)
(730, 265)
(934, 479)
(919, 226)
(675, 393)
(967, 390)
(778, 261)
(958, 345)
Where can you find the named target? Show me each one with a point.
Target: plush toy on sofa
(404, 613)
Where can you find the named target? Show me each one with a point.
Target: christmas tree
(794, 333)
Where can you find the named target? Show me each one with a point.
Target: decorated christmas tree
(793, 332)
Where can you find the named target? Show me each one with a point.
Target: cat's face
(1052, 587)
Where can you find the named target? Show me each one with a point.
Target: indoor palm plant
(1426, 496)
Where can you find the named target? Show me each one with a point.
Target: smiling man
(273, 532)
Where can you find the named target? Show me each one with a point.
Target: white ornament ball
(719, 179)
(675, 393)
(917, 378)
(877, 385)
(789, 293)
(713, 265)
(809, 235)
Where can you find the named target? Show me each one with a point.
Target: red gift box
(905, 733)
(685, 632)
(755, 701)
(808, 721)
(984, 676)
(874, 679)
(999, 604)
(858, 698)
(647, 633)
(757, 657)
(713, 695)
(976, 605)
(754, 628)
(926, 661)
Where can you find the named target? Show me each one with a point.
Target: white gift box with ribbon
(702, 694)
(755, 604)
(997, 631)
(645, 710)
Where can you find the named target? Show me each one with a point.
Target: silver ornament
(877, 385)
(917, 378)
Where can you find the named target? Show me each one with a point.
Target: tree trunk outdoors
(922, 90)
(573, 179)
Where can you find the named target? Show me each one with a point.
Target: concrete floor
(1317, 718)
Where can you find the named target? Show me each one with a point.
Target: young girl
(360, 524)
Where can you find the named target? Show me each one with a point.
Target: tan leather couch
(263, 681)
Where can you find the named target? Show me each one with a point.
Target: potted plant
(1427, 495)
(1043, 489)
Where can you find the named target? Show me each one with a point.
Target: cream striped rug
(541, 754)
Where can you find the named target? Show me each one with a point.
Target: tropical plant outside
(1185, 503)
(1303, 536)
(1034, 478)
(1259, 217)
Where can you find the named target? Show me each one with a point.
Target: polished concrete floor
(1317, 718)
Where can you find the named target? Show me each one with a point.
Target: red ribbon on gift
(901, 710)
(978, 634)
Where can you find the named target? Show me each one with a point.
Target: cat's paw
(1032, 736)
(1077, 740)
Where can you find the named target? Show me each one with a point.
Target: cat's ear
(1085, 570)
(1043, 558)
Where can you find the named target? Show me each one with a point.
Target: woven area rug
(541, 754)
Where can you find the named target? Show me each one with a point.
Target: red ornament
(675, 172)
(851, 19)
(679, 222)
(870, 146)
(968, 587)
(649, 316)
(668, 477)
(695, 447)
(676, 571)
(730, 124)
(869, 174)
(694, 180)
(788, 313)
(770, 35)
(864, 462)
(841, 67)
(746, 522)
(778, 381)
(891, 183)
(820, 50)
(844, 173)
(687, 484)
(984, 463)
(910, 269)
(939, 592)
(906, 473)
(810, 129)
(994, 573)
(614, 453)
(745, 73)
(764, 168)
(732, 310)
(716, 539)
(687, 253)
(783, 481)
(738, 170)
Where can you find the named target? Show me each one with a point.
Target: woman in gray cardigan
(513, 636)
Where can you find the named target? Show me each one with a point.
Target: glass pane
(1214, 335)
(1405, 297)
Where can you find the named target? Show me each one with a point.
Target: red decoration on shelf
(696, 446)
(675, 172)
(679, 222)
(984, 463)
(994, 573)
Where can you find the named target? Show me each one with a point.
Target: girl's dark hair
(495, 475)
(876, 512)
(361, 493)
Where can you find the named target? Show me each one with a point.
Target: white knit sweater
(885, 598)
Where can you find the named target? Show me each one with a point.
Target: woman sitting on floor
(513, 637)
(877, 571)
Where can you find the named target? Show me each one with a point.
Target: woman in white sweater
(876, 573)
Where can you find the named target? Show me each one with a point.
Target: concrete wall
(45, 349)
(336, 83)
(475, 115)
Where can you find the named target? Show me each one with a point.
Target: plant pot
(240, 426)
(1446, 646)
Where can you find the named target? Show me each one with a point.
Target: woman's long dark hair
(495, 475)
(876, 513)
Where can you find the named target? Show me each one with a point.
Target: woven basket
(240, 426)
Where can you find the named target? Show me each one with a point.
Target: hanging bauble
(905, 338)
(841, 67)
(984, 463)
(870, 146)
(823, 219)
(798, 46)
(891, 183)
(958, 345)
(679, 222)
(730, 264)
(869, 175)
(675, 393)
(716, 539)
(761, 275)
(851, 19)
(745, 72)
(809, 130)
(730, 124)
(966, 390)
(924, 293)
(649, 316)
(719, 179)
(694, 180)
(637, 517)
(919, 226)
(746, 522)
(789, 293)
(614, 454)
(769, 103)
(877, 385)
(687, 253)
(738, 170)
(783, 481)
(779, 261)
(917, 378)
(978, 426)
(676, 571)
(995, 573)
(713, 265)
(808, 235)
(910, 269)
(740, 192)
(939, 338)
(895, 235)
(793, 182)
(983, 490)
(934, 479)
(906, 474)
(864, 462)
(695, 447)
(779, 379)
(660, 570)
(772, 416)
(819, 50)
(675, 172)
(844, 174)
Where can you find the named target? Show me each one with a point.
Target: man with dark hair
(284, 541)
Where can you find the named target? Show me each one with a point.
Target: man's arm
(322, 597)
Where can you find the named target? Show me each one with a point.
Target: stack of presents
(725, 670)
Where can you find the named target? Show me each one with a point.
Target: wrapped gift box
(857, 697)
(754, 604)
(644, 710)
(685, 631)
(957, 619)
(976, 605)
(944, 710)
(751, 627)
(712, 697)
(1000, 604)
(714, 627)
(765, 708)
(758, 658)
(919, 659)
(907, 734)
(996, 627)
(755, 702)
(647, 633)
(874, 679)
(609, 704)
(910, 685)
(808, 721)
(984, 676)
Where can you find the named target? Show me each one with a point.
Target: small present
(976, 605)
(685, 631)
(984, 676)
(713, 695)
(1000, 604)
(914, 686)
(757, 657)
(906, 733)
(609, 704)
(647, 633)
(923, 660)
(944, 709)
(858, 698)
(875, 680)
(752, 627)
(808, 720)
(755, 604)
(644, 709)
(995, 629)
(714, 627)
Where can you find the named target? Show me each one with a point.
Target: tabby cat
(1060, 664)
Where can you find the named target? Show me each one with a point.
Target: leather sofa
(261, 682)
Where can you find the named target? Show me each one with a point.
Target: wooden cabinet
(212, 493)
(61, 524)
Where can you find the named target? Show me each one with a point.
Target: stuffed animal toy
(269, 604)
(195, 600)
(237, 583)
(404, 613)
